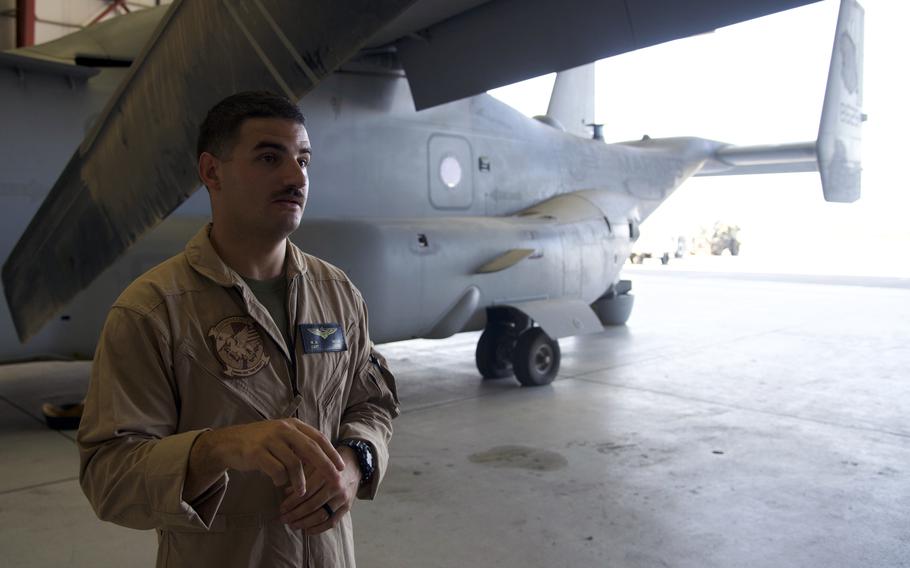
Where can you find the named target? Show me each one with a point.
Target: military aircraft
(450, 210)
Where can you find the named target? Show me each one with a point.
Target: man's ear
(210, 171)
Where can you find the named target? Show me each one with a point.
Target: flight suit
(186, 348)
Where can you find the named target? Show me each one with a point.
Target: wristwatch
(365, 458)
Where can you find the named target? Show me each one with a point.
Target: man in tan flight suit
(236, 403)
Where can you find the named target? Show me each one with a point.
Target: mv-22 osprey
(450, 212)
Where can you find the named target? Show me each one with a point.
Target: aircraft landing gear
(510, 345)
(536, 358)
(494, 351)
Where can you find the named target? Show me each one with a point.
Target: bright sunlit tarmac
(739, 419)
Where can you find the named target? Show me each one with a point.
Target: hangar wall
(56, 18)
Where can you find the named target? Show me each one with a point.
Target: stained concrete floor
(736, 421)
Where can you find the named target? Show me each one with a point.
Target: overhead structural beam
(111, 8)
(25, 23)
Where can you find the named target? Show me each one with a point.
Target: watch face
(365, 457)
(368, 453)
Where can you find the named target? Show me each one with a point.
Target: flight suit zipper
(292, 410)
(293, 285)
(295, 386)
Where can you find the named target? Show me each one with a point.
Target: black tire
(535, 358)
(734, 248)
(493, 355)
(665, 259)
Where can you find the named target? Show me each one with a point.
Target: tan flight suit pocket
(385, 382)
(262, 393)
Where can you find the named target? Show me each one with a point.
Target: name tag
(322, 338)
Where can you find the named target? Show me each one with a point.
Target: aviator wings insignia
(323, 332)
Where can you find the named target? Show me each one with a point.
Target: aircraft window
(450, 171)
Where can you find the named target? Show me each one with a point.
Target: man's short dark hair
(217, 132)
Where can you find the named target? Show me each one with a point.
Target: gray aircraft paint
(375, 194)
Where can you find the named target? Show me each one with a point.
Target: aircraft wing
(500, 42)
(137, 164)
(452, 49)
(120, 39)
(46, 65)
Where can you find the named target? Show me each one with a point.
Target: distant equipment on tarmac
(662, 247)
(721, 238)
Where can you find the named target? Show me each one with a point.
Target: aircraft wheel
(665, 259)
(615, 310)
(536, 358)
(494, 352)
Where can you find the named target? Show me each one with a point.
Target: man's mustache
(293, 192)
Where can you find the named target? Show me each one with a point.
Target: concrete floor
(736, 421)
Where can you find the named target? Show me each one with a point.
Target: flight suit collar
(203, 257)
(205, 260)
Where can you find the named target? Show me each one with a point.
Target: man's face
(263, 182)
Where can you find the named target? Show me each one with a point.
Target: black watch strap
(365, 458)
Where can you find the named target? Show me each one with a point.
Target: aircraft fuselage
(465, 177)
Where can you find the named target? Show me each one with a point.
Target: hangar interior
(735, 420)
(53, 19)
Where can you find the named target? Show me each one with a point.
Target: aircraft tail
(836, 152)
(572, 100)
(840, 131)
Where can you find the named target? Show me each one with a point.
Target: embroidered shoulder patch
(238, 346)
(322, 337)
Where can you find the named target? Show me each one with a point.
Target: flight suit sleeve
(133, 463)
(371, 404)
